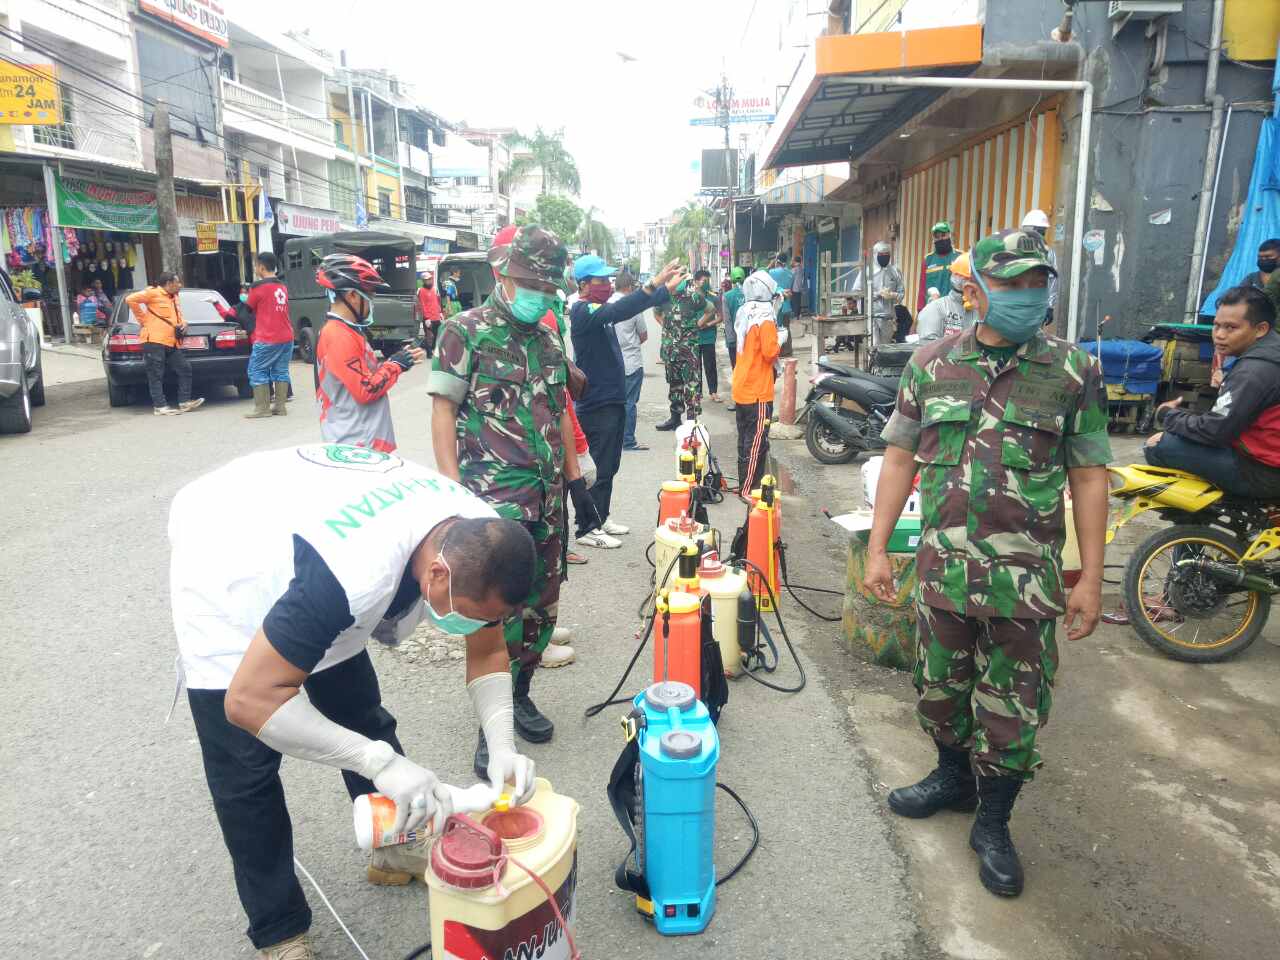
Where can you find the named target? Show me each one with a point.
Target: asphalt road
(112, 849)
(1153, 831)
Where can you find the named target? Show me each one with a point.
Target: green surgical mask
(529, 306)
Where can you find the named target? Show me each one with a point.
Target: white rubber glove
(588, 467)
(491, 700)
(783, 335)
(300, 730)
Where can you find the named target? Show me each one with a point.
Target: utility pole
(731, 173)
(166, 200)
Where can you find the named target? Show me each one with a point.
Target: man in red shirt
(272, 339)
(429, 307)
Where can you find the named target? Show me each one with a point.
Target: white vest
(232, 530)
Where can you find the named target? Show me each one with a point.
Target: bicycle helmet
(343, 271)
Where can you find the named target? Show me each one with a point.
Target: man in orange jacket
(159, 314)
(756, 330)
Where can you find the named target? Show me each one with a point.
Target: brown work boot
(261, 403)
(280, 396)
(295, 948)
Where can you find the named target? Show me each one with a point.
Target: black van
(395, 315)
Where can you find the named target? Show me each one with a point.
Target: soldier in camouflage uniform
(679, 352)
(999, 419)
(500, 427)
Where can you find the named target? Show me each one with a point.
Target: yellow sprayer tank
(471, 917)
(670, 538)
(724, 585)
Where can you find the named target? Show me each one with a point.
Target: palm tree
(545, 154)
(684, 239)
(594, 235)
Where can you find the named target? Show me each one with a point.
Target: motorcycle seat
(840, 369)
(866, 390)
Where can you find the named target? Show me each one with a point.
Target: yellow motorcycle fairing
(1153, 488)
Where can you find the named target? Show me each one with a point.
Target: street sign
(206, 238)
(29, 94)
(741, 110)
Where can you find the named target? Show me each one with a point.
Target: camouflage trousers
(986, 685)
(684, 377)
(528, 633)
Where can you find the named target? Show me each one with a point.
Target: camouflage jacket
(994, 447)
(509, 384)
(680, 321)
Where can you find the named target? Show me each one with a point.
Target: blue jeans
(1219, 465)
(269, 363)
(634, 382)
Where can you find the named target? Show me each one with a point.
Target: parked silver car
(21, 378)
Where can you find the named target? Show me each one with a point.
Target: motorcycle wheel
(824, 445)
(1187, 615)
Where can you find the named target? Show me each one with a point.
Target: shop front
(209, 266)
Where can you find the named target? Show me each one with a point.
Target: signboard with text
(95, 206)
(29, 94)
(741, 110)
(206, 238)
(203, 18)
(296, 221)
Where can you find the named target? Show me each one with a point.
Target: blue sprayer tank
(679, 750)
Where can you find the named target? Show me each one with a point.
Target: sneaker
(636, 446)
(561, 636)
(295, 948)
(395, 866)
(615, 529)
(576, 559)
(189, 405)
(166, 411)
(553, 657)
(598, 538)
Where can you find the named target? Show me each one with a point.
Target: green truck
(396, 316)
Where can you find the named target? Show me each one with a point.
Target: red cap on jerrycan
(467, 855)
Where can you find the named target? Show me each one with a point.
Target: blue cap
(591, 266)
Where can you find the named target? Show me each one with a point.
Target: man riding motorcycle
(1235, 445)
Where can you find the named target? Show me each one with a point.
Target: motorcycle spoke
(1185, 607)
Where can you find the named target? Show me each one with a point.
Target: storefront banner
(433, 245)
(296, 221)
(206, 238)
(195, 210)
(29, 94)
(92, 206)
(203, 18)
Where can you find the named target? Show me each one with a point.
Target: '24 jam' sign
(204, 18)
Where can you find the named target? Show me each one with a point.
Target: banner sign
(204, 18)
(195, 211)
(296, 221)
(206, 238)
(92, 206)
(741, 110)
(29, 94)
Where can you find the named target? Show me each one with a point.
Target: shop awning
(812, 189)
(826, 119)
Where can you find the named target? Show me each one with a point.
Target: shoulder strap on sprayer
(715, 688)
(624, 797)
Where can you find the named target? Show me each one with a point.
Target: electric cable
(786, 582)
(755, 836)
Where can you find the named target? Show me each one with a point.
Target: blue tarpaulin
(1261, 211)
(1131, 364)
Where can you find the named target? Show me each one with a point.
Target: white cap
(1036, 218)
(882, 247)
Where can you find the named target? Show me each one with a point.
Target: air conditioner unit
(1142, 9)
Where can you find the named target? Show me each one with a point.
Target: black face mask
(942, 247)
(428, 284)
(1266, 265)
(882, 259)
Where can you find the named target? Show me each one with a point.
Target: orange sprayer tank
(674, 501)
(764, 530)
(677, 633)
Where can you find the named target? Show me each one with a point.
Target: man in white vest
(273, 603)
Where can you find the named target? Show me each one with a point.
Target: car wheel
(307, 345)
(244, 390)
(15, 411)
(117, 395)
(37, 391)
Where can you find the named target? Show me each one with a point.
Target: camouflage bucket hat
(1010, 254)
(532, 254)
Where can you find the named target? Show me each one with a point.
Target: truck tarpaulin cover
(1261, 209)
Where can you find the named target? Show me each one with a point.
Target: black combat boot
(530, 723)
(481, 762)
(949, 787)
(673, 421)
(1000, 869)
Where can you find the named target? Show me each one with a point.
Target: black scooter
(845, 411)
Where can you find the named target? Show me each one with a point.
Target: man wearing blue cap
(602, 408)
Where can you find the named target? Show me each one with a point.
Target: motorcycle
(845, 411)
(1199, 590)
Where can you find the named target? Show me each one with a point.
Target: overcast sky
(555, 62)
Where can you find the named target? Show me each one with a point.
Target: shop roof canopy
(826, 118)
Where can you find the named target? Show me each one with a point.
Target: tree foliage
(686, 234)
(556, 214)
(544, 154)
(594, 235)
